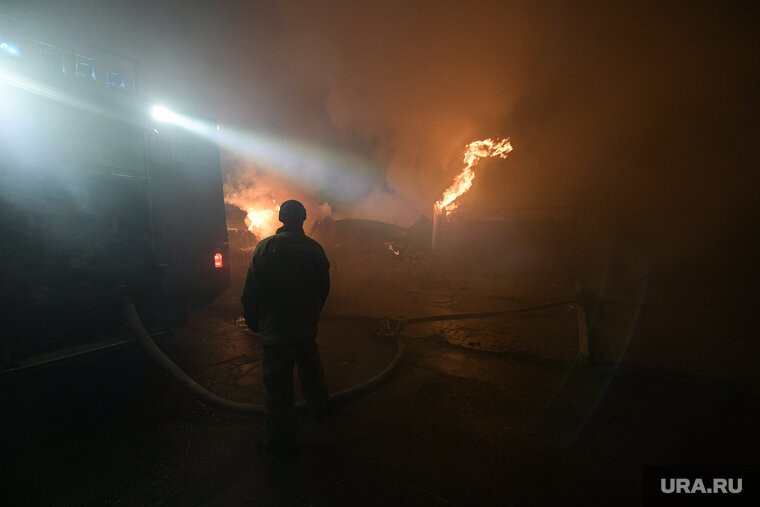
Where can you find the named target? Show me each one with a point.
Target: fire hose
(214, 400)
(391, 328)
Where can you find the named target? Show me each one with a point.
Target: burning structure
(463, 181)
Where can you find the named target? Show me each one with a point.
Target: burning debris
(259, 206)
(263, 221)
(257, 192)
(392, 248)
(366, 249)
(254, 191)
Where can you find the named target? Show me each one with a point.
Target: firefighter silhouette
(286, 286)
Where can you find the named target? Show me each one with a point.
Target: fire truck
(103, 198)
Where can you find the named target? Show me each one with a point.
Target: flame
(392, 248)
(472, 155)
(263, 222)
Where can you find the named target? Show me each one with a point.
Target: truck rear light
(218, 260)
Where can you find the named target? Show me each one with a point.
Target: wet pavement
(482, 411)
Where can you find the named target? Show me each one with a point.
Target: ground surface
(482, 411)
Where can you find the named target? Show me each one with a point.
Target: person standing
(285, 289)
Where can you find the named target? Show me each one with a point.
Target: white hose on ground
(214, 400)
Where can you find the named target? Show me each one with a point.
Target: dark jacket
(286, 286)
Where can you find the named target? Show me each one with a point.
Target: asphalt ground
(493, 411)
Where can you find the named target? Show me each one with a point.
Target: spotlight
(161, 113)
(10, 49)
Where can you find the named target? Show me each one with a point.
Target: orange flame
(392, 248)
(263, 221)
(472, 155)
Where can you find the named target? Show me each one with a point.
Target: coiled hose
(214, 400)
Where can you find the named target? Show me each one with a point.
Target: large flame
(472, 154)
(263, 221)
(258, 193)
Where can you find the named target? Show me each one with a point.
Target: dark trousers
(277, 367)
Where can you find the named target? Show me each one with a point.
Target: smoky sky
(642, 110)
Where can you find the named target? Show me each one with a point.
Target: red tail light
(218, 260)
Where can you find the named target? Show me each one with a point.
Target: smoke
(259, 188)
(640, 111)
(413, 81)
(644, 111)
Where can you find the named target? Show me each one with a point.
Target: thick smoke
(643, 111)
(637, 111)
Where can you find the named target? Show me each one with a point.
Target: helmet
(292, 212)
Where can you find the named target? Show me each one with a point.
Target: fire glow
(392, 248)
(472, 155)
(263, 221)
